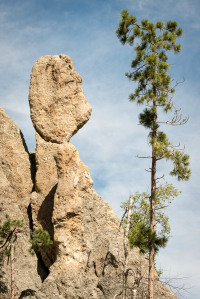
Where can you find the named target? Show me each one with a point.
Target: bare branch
(126, 210)
(126, 231)
(171, 282)
(162, 177)
(160, 208)
(139, 68)
(176, 121)
(178, 82)
(176, 146)
(147, 157)
(160, 158)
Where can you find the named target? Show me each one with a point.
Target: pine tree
(140, 234)
(8, 236)
(40, 240)
(9, 232)
(154, 90)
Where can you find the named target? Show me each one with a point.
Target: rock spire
(52, 189)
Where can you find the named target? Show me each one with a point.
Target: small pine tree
(140, 234)
(40, 240)
(9, 231)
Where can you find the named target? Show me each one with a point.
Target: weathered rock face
(58, 106)
(15, 189)
(15, 164)
(86, 258)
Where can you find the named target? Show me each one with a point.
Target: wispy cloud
(110, 141)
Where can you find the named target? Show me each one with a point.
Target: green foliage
(8, 230)
(150, 70)
(140, 234)
(8, 226)
(146, 118)
(150, 64)
(165, 149)
(40, 240)
(159, 271)
(8, 235)
(181, 163)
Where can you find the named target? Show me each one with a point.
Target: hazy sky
(111, 140)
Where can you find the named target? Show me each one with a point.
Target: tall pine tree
(154, 90)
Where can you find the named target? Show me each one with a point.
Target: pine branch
(147, 157)
(162, 177)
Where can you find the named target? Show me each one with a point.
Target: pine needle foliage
(150, 71)
(8, 225)
(140, 234)
(151, 43)
(7, 230)
(40, 240)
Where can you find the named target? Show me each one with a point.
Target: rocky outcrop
(86, 258)
(15, 188)
(58, 106)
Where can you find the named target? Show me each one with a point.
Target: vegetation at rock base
(8, 234)
(154, 89)
(9, 231)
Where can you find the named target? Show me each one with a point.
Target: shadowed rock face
(57, 103)
(86, 258)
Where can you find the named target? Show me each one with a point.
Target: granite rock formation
(15, 189)
(58, 106)
(52, 189)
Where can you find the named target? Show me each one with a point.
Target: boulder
(57, 103)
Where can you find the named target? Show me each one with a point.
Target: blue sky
(110, 141)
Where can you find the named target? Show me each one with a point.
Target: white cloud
(110, 141)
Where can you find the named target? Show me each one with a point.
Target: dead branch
(126, 210)
(147, 157)
(171, 282)
(125, 270)
(162, 177)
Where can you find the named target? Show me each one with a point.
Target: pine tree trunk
(125, 274)
(12, 269)
(152, 206)
(152, 226)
